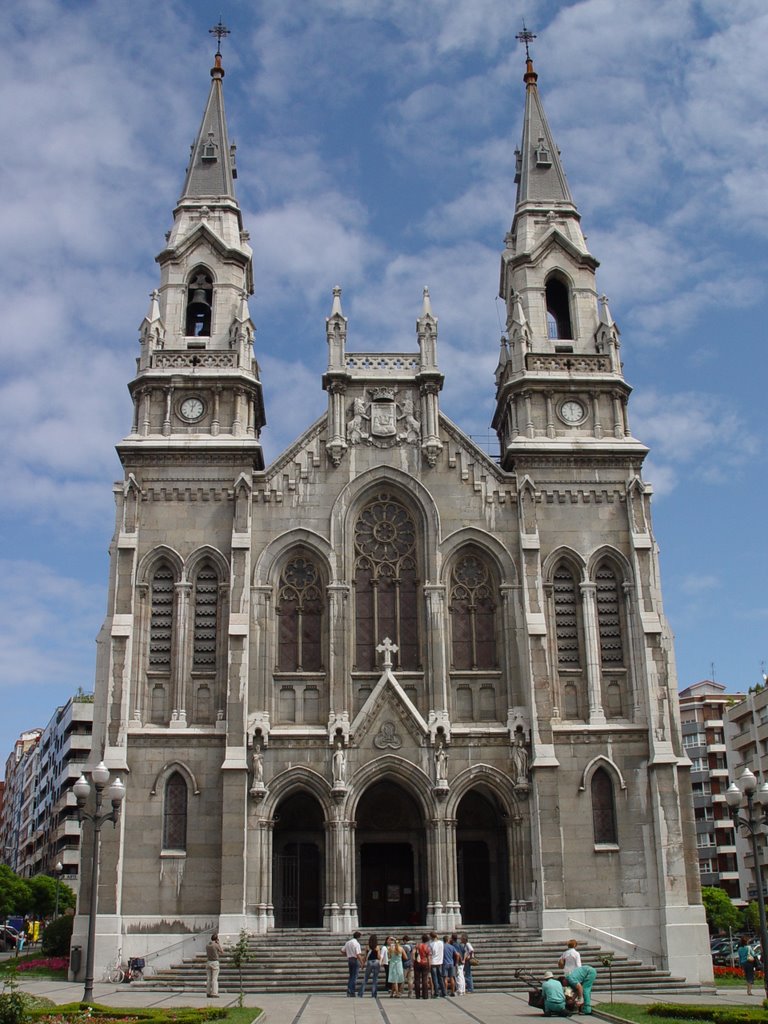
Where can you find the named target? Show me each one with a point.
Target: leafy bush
(13, 1006)
(57, 936)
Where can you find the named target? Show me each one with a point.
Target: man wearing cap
(554, 996)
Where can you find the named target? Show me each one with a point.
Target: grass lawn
(10, 968)
(102, 1013)
(639, 1014)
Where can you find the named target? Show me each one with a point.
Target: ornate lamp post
(756, 817)
(58, 869)
(116, 795)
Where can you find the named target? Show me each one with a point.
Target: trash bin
(75, 959)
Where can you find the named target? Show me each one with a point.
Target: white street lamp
(756, 817)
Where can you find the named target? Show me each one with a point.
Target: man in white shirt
(352, 951)
(437, 946)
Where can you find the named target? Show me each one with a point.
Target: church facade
(388, 680)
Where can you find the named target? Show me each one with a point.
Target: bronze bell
(200, 296)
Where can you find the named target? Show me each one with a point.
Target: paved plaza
(480, 1008)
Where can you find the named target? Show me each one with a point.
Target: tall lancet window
(473, 614)
(206, 604)
(175, 813)
(558, 309)
(199, 304)
(603, 808)
(609, 617)
(567, 624)
(160, 641)
(386, 584)
(300, 616)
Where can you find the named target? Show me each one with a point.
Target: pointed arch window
(603, 808)
(161, 619)
(206, 616)
(300, 616)
(386, 583)
(558, 309)
(567, 625)
(175, 813)
(473, 614)
(609, 617)
(199, 304)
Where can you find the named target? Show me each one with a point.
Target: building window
(299, 610)
(206, 610)
(603, 809)
(175, 813)
(161, 620)
(567, 626)
(609, 617)
(558, 309)
(386, 584)
(473, 614)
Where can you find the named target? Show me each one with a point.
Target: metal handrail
(625, 945)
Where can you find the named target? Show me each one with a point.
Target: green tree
(15, 896)
(43, 896)
(751, 917)
(241, 954)
(721, 913)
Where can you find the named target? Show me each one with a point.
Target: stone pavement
(480, 1008)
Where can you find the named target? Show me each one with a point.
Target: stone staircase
(310, 960)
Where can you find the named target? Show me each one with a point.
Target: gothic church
(388, 680)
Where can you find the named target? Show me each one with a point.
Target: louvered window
(603, 808)
(386, 584)
(206, 620)
(161, 620)
(300, 611)
(566, 618)
(609, 618)
(473, 615)
(175, 813)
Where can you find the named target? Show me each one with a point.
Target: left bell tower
(197, 384)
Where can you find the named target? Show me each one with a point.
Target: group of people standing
(427, 969)
(576, 976)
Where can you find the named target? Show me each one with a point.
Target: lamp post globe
(751, 823)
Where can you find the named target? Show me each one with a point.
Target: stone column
(146, 411)
(167, 415)
(592, 653)
(341, 696)
(550, 415)
(597, 425)
(215, 415)
(181, 653)
(259, 873)
(452, 904)
(437, 684)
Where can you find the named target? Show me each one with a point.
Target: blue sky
(375, 150)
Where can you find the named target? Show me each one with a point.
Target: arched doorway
(482, 860)
(298, 864)
(391, 857)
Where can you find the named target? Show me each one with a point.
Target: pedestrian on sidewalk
(213, 952)
(747, 962)
(352, 951)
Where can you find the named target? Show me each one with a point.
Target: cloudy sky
(375, 149)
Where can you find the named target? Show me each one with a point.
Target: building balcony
(726, 848)
(718, 773)
(725, 876)
(716, 748)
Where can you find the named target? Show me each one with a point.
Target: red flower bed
(51, 963)
(732, 972)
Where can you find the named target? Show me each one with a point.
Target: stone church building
(388, 680)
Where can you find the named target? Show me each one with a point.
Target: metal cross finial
(388, 649)
(525, 37)
(219, 31)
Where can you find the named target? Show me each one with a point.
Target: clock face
(572, 411)
(192, 408)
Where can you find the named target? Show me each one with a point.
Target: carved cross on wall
(388, 649)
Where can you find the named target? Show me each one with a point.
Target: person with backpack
(422, 958)
(407, 964)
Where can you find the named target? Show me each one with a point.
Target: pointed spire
(153, 313)
(211, 171)
(336, 307)
(503, 360)
(539, 173)
(605, 314)
(426, 306)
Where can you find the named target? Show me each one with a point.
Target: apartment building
(702, 712)
(746, 728)
(13, 825)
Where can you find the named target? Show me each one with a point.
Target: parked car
(8, 937)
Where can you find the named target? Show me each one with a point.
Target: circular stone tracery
(385, 531)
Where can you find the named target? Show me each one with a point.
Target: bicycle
(114, 972)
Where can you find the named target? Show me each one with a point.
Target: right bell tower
(560, 386)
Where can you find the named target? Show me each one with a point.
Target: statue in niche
(441, 763)
(339, 765)
(520, 759)
(257, 766)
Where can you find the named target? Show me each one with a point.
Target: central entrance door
(482, 862)
(298, 863)
(391, 866)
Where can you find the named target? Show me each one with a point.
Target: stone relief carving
(387, 737)
(382, 421)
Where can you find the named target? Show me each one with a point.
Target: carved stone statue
(519, 759)
(441, 763)
(257, 763)
(411, 426)
(339, 765)
(356, 431)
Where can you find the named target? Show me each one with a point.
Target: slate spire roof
(211, 170)
(539, 173)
